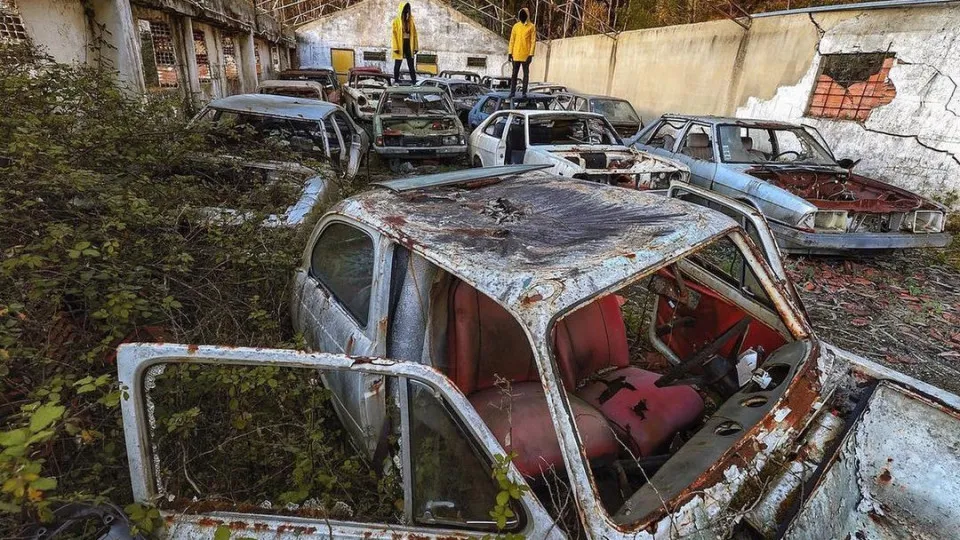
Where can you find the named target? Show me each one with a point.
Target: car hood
(609, 158)
(836, 188)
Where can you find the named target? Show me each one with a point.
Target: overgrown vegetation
(99, 243)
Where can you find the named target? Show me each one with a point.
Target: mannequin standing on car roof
(404, 40)
(523, 40)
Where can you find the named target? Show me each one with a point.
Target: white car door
(490, 139)
(240, 441)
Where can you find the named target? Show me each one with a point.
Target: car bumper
(421, 153)
(793, 240)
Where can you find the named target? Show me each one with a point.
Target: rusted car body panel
(540, 248)
(814, 206)
(426, 129)
(493, 144)
(362, 93)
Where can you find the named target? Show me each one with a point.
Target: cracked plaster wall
(769, 72)
(914, 141)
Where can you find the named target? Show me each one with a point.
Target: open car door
(749, 218)
(247, 439)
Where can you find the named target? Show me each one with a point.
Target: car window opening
(571, 131)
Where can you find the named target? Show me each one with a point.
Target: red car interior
(710, 318)
(484, 340)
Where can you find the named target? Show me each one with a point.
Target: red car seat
(485, 341)
(592, 352)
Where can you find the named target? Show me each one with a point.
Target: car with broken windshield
(572, 144)
(642, 359)
(619, 112)
(415, 122)
(470, 76)
(362, 93)
(314, 129)
(297, 89)
(326, 76)
(815, 202)
(463, 93)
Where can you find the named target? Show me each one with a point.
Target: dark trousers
(408, 54)
(526, 76)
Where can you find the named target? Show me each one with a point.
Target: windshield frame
(617, 141)
(580, 473)
(449, 109)
(320, 125)
(635, 119)
(799, 131)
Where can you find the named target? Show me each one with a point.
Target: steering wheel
(785, 152)
(676, 373)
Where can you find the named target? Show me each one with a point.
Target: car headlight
(830, 220)
(925, 221)
(451, 140)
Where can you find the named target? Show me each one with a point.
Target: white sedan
(575, 144)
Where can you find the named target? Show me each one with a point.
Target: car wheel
(476, 162)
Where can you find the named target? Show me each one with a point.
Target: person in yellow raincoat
(523, 41)
(404, 41)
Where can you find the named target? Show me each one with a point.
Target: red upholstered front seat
(484, 341)
(593, 339)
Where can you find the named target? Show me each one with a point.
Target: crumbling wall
(365, 28)
(896, 108)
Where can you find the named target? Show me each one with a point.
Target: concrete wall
(770, 70)
(365, 26)
(59, 26)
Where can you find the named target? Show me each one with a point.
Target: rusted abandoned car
(619, 112)
(362, 94)
(572, 144)
(415, 122)
(317, 129)
(463, 93)
(501, 101)
(496, 83)
(323, 75)
(814, 202)
(470, 76)
(643, 357)
(298, 89)
(548, 88)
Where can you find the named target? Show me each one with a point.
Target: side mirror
(847, 163)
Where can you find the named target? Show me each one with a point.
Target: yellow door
(342, 60)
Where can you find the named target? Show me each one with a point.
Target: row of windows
(425, 58)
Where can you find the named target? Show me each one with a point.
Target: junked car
(618, 111)
(298, 89)
(815, 203)
(363, 91)
(495, 82)
(323, 75)
(470, 76)
(463, 93)
(548, 88)
(415, 122)
(316, 129)
(499, 101)
(642, 358)
(572, 144)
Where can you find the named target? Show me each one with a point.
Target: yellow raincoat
(523, 40)
(397, 35)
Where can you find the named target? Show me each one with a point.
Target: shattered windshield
(293, 91)
(414, 104)
(616, 110)
(467, 90)
(304, 136)
(566, 131)
(787, 145)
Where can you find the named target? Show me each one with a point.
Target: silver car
(814, 202)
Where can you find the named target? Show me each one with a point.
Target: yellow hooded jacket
(523, 40)
(397, 34)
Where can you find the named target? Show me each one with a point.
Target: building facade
(201, 50)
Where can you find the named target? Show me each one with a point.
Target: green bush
(97, 243)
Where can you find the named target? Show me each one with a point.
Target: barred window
(849, 86)
(157, 55)
(11, 25)
(203, 59)
(230, 59)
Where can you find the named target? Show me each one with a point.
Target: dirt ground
(900, 309)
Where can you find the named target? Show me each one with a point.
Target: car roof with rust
(273, 105)
(718, 120)
(536, 235)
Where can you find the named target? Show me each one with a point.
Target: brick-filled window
(849, 86)
(159, 59)
(256, 57)
(230, 59)
(203, 59)
(11, 25)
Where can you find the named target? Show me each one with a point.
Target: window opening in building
(230, 59)
(203, 59)
(477, 61)
(849, 86)
(156, 49)
(275, 57)
(427, 58)
(11, 25)
(375, 56)
(256, 57)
